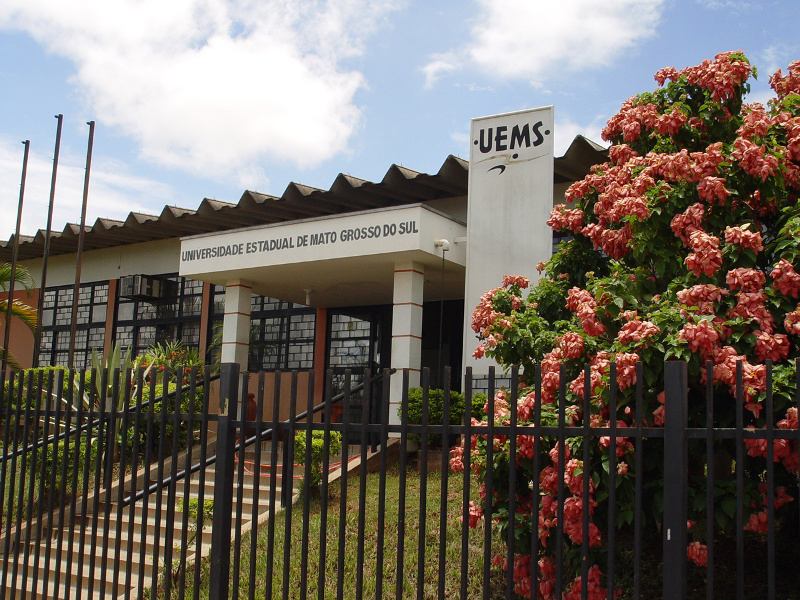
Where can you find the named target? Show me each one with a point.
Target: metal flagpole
(43, 282)
(77, 289)
(14, 249)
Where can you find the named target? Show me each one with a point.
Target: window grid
(56, 323)
(141, 324)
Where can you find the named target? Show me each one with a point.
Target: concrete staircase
(81, 561)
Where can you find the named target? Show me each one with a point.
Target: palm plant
(22, 311)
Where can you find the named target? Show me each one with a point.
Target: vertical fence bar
(149, 418)
(219, 582)
(159, 492)
(612, 479)
(384, 437)
(770, 485)
(445, 442)
(123, 467)
(488, 480)
(273, 483)
(709, 482)
(98, 471)
(93, 420)
(323, 514)
(172, 487)
(49, 435)
(401, 504)
(21, 491)
(251, 582)
(44, 433)
(201, 483)
(739, 401)
(366, 392)
(306, 490)
(34, 396)
(137, 423)
(108, 476)
(190, 426)
(12, 480)
(465, 482)
(512, 484)
(4, 478)
(241, 435)
(638, 483)
(537, 444)
(287, 483)
(343, 486)
(59, 385)
(560, 488)
(585, 505)
(675, 477)
(79, 423)
(423, 483)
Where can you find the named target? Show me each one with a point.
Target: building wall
(20, 337)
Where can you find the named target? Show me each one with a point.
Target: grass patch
(391, 557)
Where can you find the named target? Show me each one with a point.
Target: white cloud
(113, 193)
(520, 39)
(566, 129)
(214, 87)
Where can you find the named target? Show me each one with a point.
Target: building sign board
(362, 234)
(510, 199)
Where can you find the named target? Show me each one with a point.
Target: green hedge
(155, 439)
(436, 409)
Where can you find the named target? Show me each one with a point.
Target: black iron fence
(121, 485)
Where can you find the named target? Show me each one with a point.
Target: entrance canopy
(342, 260)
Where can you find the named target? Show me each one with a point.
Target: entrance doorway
(359, 338)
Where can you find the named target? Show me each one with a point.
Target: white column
(236, 322)
(409, 280)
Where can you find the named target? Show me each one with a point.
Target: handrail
(267, 433)
(130, 409)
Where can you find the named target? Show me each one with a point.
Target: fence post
(223, 482)
(675, 478)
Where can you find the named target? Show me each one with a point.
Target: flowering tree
(684, 246)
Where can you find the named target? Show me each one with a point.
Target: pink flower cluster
(637, 332)
(743, 237)
(563, 219)
(783, 450)
(583, 304)
(701, 338)
(632, 117)
(701, 296)
(744, 279)
(571, 345)
(713, 190)
(685, 223)
(754, 159)
(787, 280)
(752, 305)
(774, 347)
(790, 84)
(755, 122)
(705, 257)
(697, 553)
(594, 589)
(758, 521)
(721, 77)
(792, 322)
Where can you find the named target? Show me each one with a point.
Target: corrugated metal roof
(400, 185)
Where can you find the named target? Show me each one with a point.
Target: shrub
(154, 439)
(436, 409)
(688, 241)
(318, 451)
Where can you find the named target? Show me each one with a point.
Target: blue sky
(207, 98)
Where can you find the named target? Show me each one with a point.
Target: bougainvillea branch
(684, 245)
